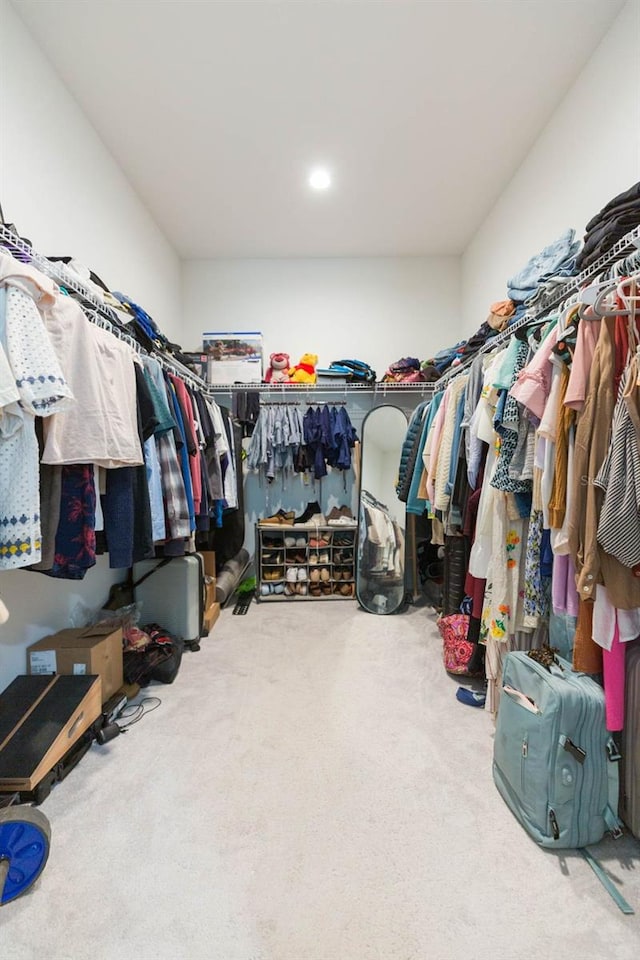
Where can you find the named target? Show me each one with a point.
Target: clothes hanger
(570, 309)
(602, 307)
(588, 295)
(632, 297)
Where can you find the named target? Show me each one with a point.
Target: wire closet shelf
(629, 244)
(96, 310)
(107, 318)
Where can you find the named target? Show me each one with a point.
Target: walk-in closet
(319, 479)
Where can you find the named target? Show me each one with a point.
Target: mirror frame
(360, 532)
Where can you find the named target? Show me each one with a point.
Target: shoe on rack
(325, 575)
(272, 541)
(313, 558)
(301, 542)
(289, 590)
(289, 542)
(314, 575)
(281, 518)
(265, 589)
(301, 588)
(314, 590)
(343, 556)
(346, 589)
(278, 587)
(312, 514)
(292, 575)
(318, 542)
(341, 517)
(272, 556)
(342, 541)
(323, 558)
(302, 573)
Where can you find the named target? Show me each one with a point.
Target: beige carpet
(310, 789)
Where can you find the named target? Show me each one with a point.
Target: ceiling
(215, 110)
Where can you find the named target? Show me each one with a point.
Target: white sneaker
(302, 573)
(292, 574)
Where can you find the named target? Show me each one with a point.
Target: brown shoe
(279, 519)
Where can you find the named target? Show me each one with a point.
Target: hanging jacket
(409, 440)
(409, 453)
(344, 437)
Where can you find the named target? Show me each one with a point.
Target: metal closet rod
(626, 245)
(345, 388)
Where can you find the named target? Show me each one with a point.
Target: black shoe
(313, 514)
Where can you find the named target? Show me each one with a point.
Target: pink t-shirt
(533, 385)
(588, 333)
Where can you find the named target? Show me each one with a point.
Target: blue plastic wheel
(25, 834)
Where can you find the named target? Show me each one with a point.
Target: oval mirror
(380, 558)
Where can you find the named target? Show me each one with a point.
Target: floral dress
(504, 594)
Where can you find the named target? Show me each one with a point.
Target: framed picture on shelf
(233, 357)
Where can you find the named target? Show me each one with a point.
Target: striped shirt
(619, 477)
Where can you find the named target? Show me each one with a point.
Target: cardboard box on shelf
(210, 616)
(81, 650)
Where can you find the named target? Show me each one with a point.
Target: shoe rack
(306, 562)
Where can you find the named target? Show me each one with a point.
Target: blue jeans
(558, 258)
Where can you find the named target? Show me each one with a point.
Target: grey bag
(554, 762)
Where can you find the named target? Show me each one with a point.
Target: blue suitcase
(554, 762)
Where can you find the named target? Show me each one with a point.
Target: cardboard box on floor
(81, 650)
(209, 562)
(209, 592)
(209, 565)
(210, 616)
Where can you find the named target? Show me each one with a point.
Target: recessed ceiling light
(320, 179)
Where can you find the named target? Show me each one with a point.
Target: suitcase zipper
(554, 825)
(525, 754)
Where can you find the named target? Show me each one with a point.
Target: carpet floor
(309, 789)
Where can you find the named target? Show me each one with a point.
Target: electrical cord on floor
(138, 711)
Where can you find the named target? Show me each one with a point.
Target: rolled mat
(230, 575)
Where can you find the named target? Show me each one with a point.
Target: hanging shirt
(102, 426)
(184, 399)
(39, 388)
(619, 477)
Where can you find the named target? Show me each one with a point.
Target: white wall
(588, 152)
(63, 189)
(376, 310)
(65, 192)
